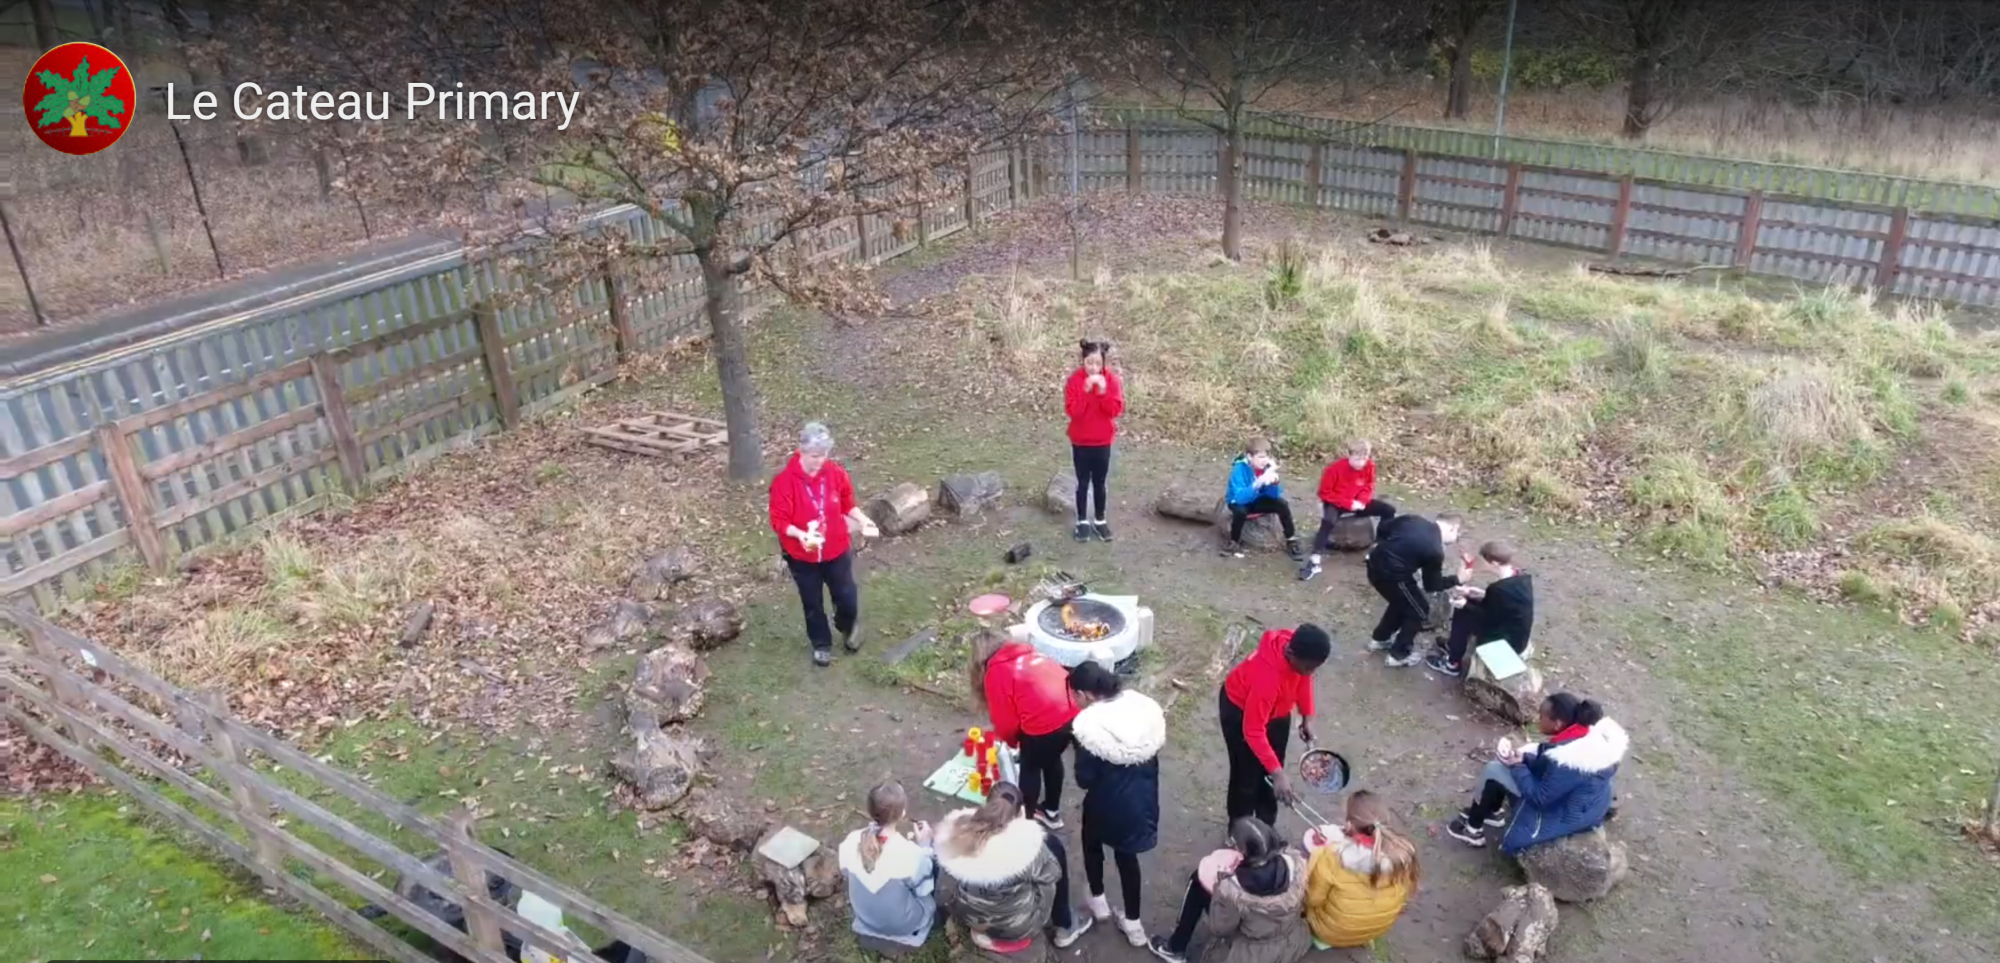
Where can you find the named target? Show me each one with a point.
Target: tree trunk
(323, 171)
(1993, 807)
(1232, 187)
(1458, 96)
(44, 13)
(1639, 94)
(95, 10)
(724, 301)
(121, 17)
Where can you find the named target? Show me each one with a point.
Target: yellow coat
(1342, 907)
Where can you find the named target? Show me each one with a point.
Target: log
(1263, 533)
(662, 571)
(1517, 698)
(1578, 868)
(1060, 497)
(723, 822)
(706, 624)
(418, 622)
(669, 685)
(900, 509)
(1518, 930)
(818, 877)
(626, 621)
(970, 495)
(1189, 503)
(660, 765)
(1353, 533)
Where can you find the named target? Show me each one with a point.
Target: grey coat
(1005, 888)
(1260, 929)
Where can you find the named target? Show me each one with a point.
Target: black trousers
(1093, 468)
(1060, 916)
(1193, 903)
(816, 580)
(1042, 769)
(1330, 513)
(1249, 794)
(1408, 609)
(1262, 505)
(1468, 630)
(1128, 871)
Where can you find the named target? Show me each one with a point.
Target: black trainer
(1083, 531)
(1103, 531)
(1293, 549)
(1464, 832)
(1442, 663)
(822, 657)
(1232, 549)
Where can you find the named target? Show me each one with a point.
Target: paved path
(102, 332)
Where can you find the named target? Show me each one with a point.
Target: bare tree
(742, 127)
(44, 13)
(1453, 27)
(1664, 43)
(1222, 60)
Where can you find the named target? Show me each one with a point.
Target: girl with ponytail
(1361, 875)
(890, 877)
(1253, 894)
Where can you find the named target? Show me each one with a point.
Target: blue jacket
(1565, 789)
(1118, 744)
(1243, 488)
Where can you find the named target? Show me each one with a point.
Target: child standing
(891, 878)
(1256, 705)
(1254, 490)
(1119, 734)
(1346, 487)
(1502, 610)
(1093, 398)
(1360, 875)
(1027, 696)
(1253, 894)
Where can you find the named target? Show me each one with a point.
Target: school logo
(79, 98)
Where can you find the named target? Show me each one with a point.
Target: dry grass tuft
(1806, 408)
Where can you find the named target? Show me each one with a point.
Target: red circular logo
(79, 98)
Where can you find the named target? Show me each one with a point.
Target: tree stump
(1262, 533)
(1517, 698)
(662, 571)
(626, 621)
(966, 496)
(1353, 533)
(1189, 503)
(661, 765)
(730, 825)
(1060, 497)
(706, 624)
(1518, 930)
(818, 877)
(669, 685)
(900, 509)
(1578, 868)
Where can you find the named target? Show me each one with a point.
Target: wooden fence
(216, 430)
(186, 758)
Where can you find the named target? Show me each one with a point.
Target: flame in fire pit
(1088, 630)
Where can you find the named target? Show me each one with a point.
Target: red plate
(993, 604)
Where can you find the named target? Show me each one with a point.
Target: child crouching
(1360, 876)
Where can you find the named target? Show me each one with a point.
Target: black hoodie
(1406, 545)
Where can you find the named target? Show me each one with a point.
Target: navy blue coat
(1118, 744)
(1565, 789)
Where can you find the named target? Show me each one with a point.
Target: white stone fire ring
(1131, 630)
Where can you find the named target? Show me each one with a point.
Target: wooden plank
(1686, 212)
(244, 486)
(413, 375)
(504, 395)
(340, 423)
(189, 405)
(1132, 160)
(133, 494)
(177, 737)
(625, 339)
(251, 809)
(420, 416)
(384, 342)
(76, 557)
(1746, 232)
(61, 692)
(1892, 249)
(1510, 200)
(1460, 182)
(1406, 187)
(1813, 228)
(90, 732)
(1620, 215)
(471, 873)
(222, 444)
(26, 462)
(48, 511)
(1802, 255)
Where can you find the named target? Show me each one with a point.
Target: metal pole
(200, 207)
(21, 264)
(1506, 75)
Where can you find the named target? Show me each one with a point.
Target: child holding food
(1346, 487)
(891, 878)
(1254, 489)
(1359, 877)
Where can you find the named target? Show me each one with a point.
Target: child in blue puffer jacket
(1254, 490)
(1559, 787)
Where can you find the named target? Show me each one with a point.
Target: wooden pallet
(660, 434)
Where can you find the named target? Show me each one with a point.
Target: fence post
(242, 786)
(1315, 173)
(470, 871)
(923, 227)
(1748, 228)
(861, 235)
(1510, 200)
(1406, 189)
(133, 494)
(622, 336)
(1620, 215)
(63, 692)
(1132, 168)
(971, 201)
(1892, 251)
(502, 377)
(340, 423)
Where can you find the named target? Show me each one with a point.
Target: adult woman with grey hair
(812, 509)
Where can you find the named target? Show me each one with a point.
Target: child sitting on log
(1254, 490)
(1503, 610)
(1360, 875)
(891, 878)
(1346, 488)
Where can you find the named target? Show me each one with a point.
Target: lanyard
(818, 500)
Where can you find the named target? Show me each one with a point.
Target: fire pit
(1105, 629)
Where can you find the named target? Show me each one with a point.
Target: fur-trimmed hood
(1289, 901)
(1355, 855)
(1007, 855)
(1598, 751)
(901, 859)
(1125, 730)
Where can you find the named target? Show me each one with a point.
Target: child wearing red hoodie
(1027, 695)
(1257, 701)
(812, 506)
(1346, 487)
(1093, 398)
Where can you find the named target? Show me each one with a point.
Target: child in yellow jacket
(1360, 876)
